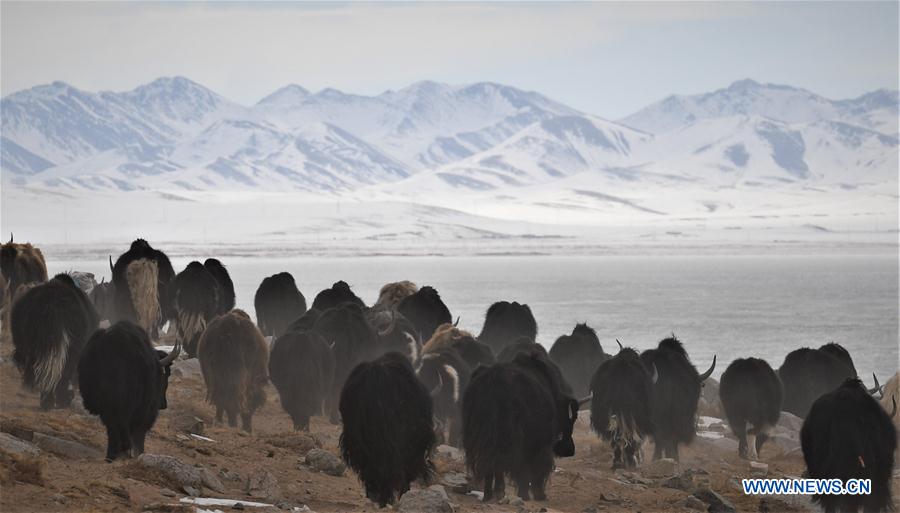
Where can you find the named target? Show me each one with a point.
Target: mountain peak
(288, 94)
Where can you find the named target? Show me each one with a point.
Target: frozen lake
(732, 306)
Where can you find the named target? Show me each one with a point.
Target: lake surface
(732, 306)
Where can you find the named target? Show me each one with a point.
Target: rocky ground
(53, 461)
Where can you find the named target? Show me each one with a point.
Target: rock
(165, 492)
(186, 369)
(516, 502)
(457, 482)
(784, 442)
(661, 468)
(263, 485)
(429, 500)
(449, 452)
(709, 404)
(169, 508)
(725, 444)
(692, 503)
(190, 490)
(187, 423)
(789, 422)
(683, 481)
(66, 448)
(60, 498)
(17, 446)
(181, 473)
(716, 502)
(323, 461)
(758, 469)
(229, 476)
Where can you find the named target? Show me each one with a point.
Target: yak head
(165, 367)
(564, 447)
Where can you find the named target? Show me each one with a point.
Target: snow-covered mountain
(174, 134)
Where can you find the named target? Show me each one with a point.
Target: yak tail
(142, 277)
(488, 428)
(49, 368)
(191, 326)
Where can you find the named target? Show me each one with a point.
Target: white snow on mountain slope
(784, 103)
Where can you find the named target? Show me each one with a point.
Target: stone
(716, 502)
(169, 508)
(790, 422)
(323, 461)
(263, 485)
(758, 469)
(457, 482)
(784, 442)
(17, 446)
(66, 448)
(661, 468)
(683, 481)
(692, 503)
(516, 502)
(429, 500)
(229, 476)
(449, 452)
(190, 490)
(187, 369)
(187, 423)
(725, 444)
(165, 492)
(181, 473)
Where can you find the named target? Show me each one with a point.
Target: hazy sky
(605, 58)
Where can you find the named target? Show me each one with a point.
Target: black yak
(51, 323)
(395, 333)
(103, 297)
(301, 366)
(234, 358)
(425, 310)
(521, 345)
(225, 285)
(448, 336)
(673, 401)
(196, 299)
(505, 323)
(578, 355)
(123, 379)
(388, 434)
(353, 342)
(20, 264)
(141, 279)
(848, 435)
(278, 302)
(391, 294)
(751, 397)
(338, 293)
(808, 373)
(621, 391)
(516, 416)
(447, 376)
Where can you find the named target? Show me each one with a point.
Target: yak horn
(331, 345)
(169, 358)
(102, 280)
(110, 264)
(585, 400)
(10, 238)
(455, 324)
(707, 374)
(655, 377)
(877, 388)
(620, 344)
(894, 409)
(390, 328)
(437, 389)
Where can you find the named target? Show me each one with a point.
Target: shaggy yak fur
(392, 293)
(234, 357)
(446, 375)
(196, 296)
(225, 285)
(674, 397)
(521, 345)
(395, 333)
(807, 373)
(51, 322)
(505, 323)
(425, 310)
(621, 391)
(301, 366)
(278, 302)
(751, 397)
(848, 435)
(578, 355)
(141, 280)
(123, 379)
(20, 264)
(448, 336)
(516, 416)
(388, 435)
(338, 293)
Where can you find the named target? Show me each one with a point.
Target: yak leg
(112, 442)
(64, 394)
(760, 440)
(220, 412)
(247, 422)
(488, 488)
(659, 446)
(232, 417)
(540, 469)
(751, 445)
(455, 435)
(499, 485)
(617, 456)
(522, 481)
(672, 450)
(137, 441)
(741, 432)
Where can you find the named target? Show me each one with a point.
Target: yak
(225, 285)
(141, 280)
(578, 355)
(447, 376)
(103, 297)
(808, 373)
(395, 333)
(520, 345)
(505, 323)
(848, 435)
(196, 300)
(448, 336)
(278, 302)
(301, 366)
(516, 416)
(234, 357)
(751, 397)
(123, 380)
(391, 294)
(50, 324)
(354, 341)
(674, 398)
(621, 392)
(388, 433)
(20, 264)
(338, 293)
(425, 310)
